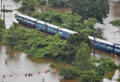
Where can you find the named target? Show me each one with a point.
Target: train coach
(26, 20)
(44, 26)
(105, 45)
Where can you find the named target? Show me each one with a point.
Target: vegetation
(115, 22)
(61, 3)
(68, 20)
(75, 49)
(30, 5)
(2, 28)
(98, 9)
(6, 10)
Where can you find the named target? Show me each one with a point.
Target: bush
(69, 72)
(115, 22)
(108, 65)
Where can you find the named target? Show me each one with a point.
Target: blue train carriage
(65, 32)
(105, 45)
(26, 20)
(49, 27)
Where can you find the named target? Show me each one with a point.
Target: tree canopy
(2, 28)
(98, 9)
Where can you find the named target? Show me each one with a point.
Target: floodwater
(18, 63)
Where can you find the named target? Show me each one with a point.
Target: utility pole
(1, 4)
(94, 47)
(72, 22)
(45, 29)
(4, 11)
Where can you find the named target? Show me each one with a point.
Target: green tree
(107, 63)
(77, 39)
(98, 9)
(50, 16)
(71, 21)
(69, 72)
(90, 76)
(2, 28)
(115, 22)
(82, 58)
(60, 3)
(28, 6)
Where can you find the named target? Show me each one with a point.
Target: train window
(108, 47)
(66, 33)
(115, 49)
(59, 32)
(111, 48)
(119, 50)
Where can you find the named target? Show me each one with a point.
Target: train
(44, 26)
(105, 45)
(53, 29)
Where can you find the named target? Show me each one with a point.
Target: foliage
(53, 65)
(107, 63)
(98, 9)
(115, 22)
(95, 60)
(35, 44)
(28, 5)
(69, 72)
(60, 3)
(41, 2)
(89, 24)
(6, 10)
(90, 76)
(118, 79)
(78, 38)
(71, 21)
(82, 58)
(2, 28)
(50, 16)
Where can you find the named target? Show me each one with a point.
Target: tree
(71, 21)
(107, 63)
(28, 6)
(82, 58)
(69, 72)
(98, 9)
(90, 76)
(77, 39)
(115, 22)
(2, 28)
(50, 16)
(60, 3)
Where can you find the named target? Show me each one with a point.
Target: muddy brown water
(18, 63)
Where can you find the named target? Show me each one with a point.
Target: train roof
(51, 25)
(48, 24)
(67, 30)
(25, 16)
(41, 22)
(100, 40)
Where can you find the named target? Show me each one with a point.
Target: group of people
(29, 74)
